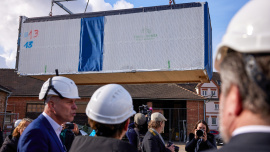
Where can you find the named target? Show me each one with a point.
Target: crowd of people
(11, 141)
(243, 61)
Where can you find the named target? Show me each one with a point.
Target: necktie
(198, 145)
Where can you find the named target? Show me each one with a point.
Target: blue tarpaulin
(91, 44)
(207, 42)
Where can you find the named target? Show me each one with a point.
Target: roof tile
(27, 86)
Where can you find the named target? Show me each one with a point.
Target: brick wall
(194, 113)
(2, 100)
(18, 104)
(2, 105)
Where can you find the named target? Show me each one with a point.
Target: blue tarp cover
(91, 44)
(207, 42)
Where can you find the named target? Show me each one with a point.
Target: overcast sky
(221, 12)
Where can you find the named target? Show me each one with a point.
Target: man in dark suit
(153, 141)
(243, 60)
(42, 135)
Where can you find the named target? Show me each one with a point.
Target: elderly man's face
(162, 126)
(65, 110)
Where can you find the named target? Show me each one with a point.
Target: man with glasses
(43, 134)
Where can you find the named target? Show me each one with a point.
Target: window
(206, 120)
(204, 92)
(214, 121)
(35, 107)
(213, 92)
(216, 106)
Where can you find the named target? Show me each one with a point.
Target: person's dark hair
(142, 128)
(107, 130)
(203, 122)
(254, 97)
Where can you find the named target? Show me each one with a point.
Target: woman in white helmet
(108, 111)
(11, 141)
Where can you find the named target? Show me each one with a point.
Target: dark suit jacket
(152, 143)
(39, 136)
(100, 144)
(248, 142)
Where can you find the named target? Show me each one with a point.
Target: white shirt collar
(56, 127)
(249, 129)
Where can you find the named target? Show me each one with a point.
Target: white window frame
(204, 92)
(216, 106)
(213, 93)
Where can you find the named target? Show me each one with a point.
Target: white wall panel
(55, 46)
(147, 41)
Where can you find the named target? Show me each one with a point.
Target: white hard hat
(110, 104)
(248, 31)
(60, 86)
(17, 122)
(139, 119)
(158, 117)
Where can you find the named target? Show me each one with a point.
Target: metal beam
(63, 7)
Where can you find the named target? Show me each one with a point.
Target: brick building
(4, 95)
(179, 103)
(211, 91)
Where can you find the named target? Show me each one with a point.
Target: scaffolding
(8, 124)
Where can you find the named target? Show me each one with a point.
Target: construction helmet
(17, 122)
(60, 86)
(139, 119)
(248, 31)
(110, 104)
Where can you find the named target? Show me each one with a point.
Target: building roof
(148, 91)
(27, 86)
(189, 86)
(4, 89)
(20, 86)
(115, 12)
(216, 78)
(161, 91)
(192, 86)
